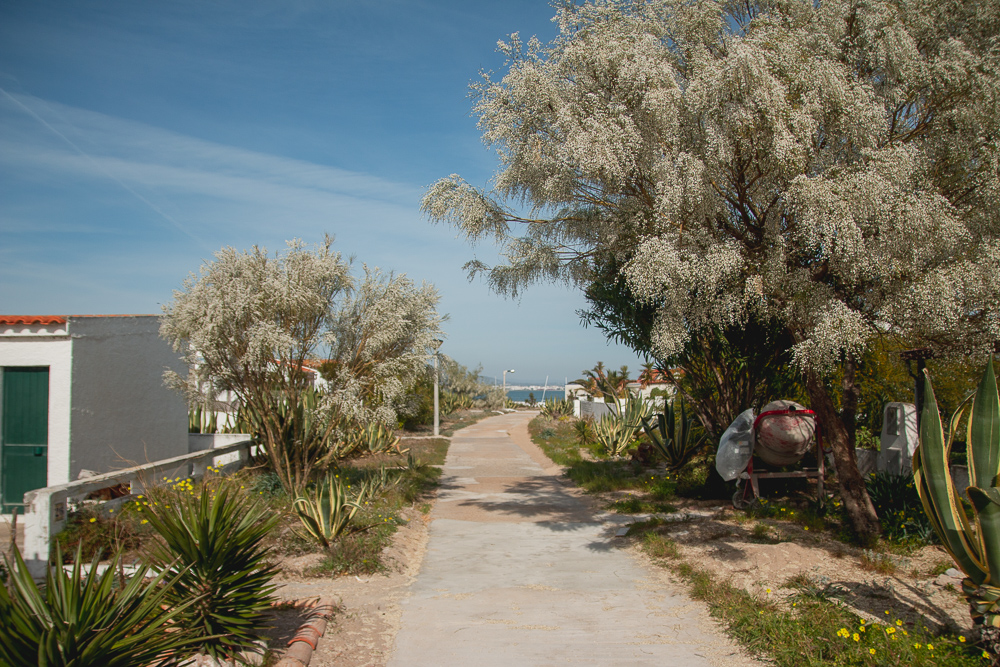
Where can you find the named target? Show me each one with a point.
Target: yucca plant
(976, 551)
(82, 619)
(674, 441)
(585, 432)
(215, 540)
(326, 514)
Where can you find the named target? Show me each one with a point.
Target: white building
(83, 392)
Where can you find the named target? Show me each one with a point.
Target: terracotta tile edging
(302, 645)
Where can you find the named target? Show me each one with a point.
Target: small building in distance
(83, 393)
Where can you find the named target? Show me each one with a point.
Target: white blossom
(834, 165)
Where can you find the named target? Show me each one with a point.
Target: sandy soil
(723, 541)
(362, 632)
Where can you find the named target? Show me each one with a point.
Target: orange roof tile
(44, 320)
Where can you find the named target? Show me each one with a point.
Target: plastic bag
(735, 447)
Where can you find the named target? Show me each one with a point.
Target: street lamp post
(505, 386)
(436, 343)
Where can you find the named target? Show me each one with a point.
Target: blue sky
(137, 138)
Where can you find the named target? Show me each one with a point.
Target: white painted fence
(46, 509)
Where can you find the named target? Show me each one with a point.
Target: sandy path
(520, 570)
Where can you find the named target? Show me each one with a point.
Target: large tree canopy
(832, 166)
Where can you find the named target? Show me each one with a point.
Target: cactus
(976, 550)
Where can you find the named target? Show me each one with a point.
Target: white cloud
(190, 177)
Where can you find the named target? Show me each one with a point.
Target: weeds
(815, 631)
(658, 546)
(882, 563)
(558, 439)
(762, 533)
(632, 504)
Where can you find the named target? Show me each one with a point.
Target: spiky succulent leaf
(80, 619)
(327, 513)
(675, 442)
(932, 475)
(218, 536)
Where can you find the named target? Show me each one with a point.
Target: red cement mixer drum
(783, 439)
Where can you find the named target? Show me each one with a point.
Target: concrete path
(520, 571)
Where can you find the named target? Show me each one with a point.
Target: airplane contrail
(134, 193)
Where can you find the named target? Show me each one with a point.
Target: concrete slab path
(520, 570)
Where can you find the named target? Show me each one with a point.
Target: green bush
(214, 538)
(899, 508)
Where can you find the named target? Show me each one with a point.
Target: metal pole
(437, 418)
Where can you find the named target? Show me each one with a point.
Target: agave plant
(81, 618)
(215, 540)
(633, 411)
(378, 438)
(555, 408)
(613, 435)
(327, 512)
(675, 442)
(975, 550)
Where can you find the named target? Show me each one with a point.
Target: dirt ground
(368, 608)
(723, 541)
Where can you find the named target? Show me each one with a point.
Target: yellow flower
(807, 527)
(961, 638)
(930, 647)
(145, 521)
(871, 651)
(856, 637)
(889, 631)
(899, 622)
(92, 520)
(916, 646)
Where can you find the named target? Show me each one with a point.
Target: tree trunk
(854, 495)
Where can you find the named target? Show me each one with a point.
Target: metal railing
(46, 509)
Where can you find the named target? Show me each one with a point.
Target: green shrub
(214, 538)
(899, 508)
(84, 620)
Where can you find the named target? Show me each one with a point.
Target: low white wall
(200, 442)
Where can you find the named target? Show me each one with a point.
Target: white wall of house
(122, 413)
(108, 406)
(40, 346)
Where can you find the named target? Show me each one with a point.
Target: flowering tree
(829, 166)
(249, 322)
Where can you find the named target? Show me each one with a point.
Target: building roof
(29, 320)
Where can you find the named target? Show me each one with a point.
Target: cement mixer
(781, 435)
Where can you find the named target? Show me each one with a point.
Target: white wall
(54, 352)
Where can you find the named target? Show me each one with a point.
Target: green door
(24, 429)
